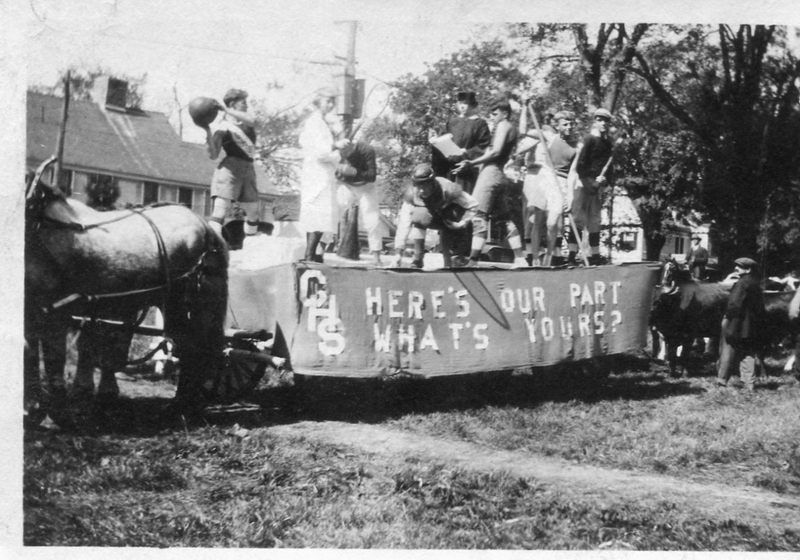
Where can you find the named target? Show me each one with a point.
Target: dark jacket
(745, 311)
(358, 164)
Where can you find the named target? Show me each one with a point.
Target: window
(79, 184)
(628, 241)
(169, 194)
(199, 202)
(150, 193)
(679, 248)
(185, 196)
(130, 193)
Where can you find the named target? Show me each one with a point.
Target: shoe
(520, 262)
(418, 263)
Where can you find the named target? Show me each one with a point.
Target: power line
(229, 51)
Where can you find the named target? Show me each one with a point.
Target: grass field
(129, 478)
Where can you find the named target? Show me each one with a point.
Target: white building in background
(628, 235)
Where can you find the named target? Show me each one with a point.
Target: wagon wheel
(238, 376)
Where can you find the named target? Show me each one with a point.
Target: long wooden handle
(572, 225)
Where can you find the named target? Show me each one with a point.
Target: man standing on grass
(743, 322)
(698, 258)
(492, 184)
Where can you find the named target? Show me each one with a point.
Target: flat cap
(605, 113)
(745, 262)
(422, 173)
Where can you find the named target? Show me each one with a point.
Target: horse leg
(672, 356)
(83, 383)
(113, 358)
(197, 329)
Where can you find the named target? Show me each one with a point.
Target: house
(138, 150)
(629, 244)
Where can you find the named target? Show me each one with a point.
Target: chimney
(108, 91)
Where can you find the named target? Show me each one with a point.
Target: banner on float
(358, 322)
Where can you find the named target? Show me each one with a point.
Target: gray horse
(114, 266)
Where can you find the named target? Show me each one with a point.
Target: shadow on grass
(377, 400)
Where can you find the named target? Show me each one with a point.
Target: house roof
(137, 144)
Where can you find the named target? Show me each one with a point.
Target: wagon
(359, 322)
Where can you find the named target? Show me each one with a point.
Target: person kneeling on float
(433, 202)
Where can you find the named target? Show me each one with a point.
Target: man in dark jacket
(471, 134)
(740, 340)
(357, 173)
(698, 259)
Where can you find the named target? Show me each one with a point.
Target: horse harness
(35, 205)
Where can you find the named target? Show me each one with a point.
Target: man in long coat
(319, 210)
(740, 340)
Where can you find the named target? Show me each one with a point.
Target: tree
(738, 96)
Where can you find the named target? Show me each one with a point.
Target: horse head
(39, 194)
(673, 272)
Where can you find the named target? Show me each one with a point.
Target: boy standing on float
(235, 177)
(492, 184)
(593, 175)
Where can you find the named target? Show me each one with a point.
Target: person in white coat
(319, 210)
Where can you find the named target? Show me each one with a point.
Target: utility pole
(62, 132)
(349, 76)
(349, 244)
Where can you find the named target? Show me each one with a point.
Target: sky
(199, 48)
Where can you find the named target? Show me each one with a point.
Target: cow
(685, 310)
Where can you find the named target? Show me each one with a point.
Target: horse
(114, 266)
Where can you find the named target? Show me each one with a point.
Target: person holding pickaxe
(594, 167)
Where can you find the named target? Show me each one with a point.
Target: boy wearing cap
(434, 203)
(545, 188)
(235, 177)
(490, 188)
(471, 134)
(739, 340)
(592, 175)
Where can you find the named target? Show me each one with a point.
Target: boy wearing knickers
(235, 177)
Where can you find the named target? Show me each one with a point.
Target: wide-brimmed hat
(745, 262)
(604, 113)
(422, 173)
(468, 96)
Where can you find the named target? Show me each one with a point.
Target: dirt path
(715, 501)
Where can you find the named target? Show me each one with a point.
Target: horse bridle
(38, 184)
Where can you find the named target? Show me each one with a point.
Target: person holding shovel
(545, 187)
(594, 168)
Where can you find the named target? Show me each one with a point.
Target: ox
(685, 310)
